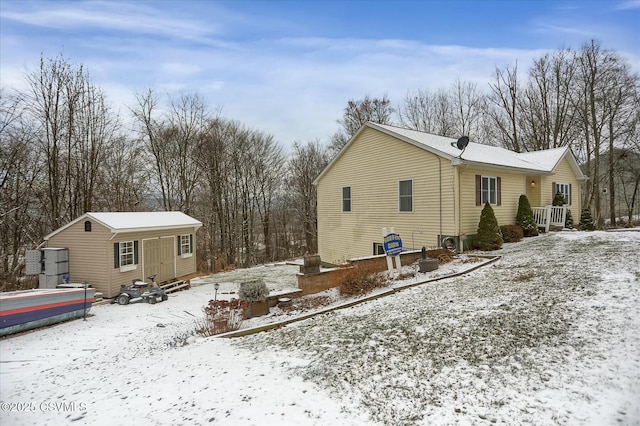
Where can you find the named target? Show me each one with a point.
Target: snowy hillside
(548, 335)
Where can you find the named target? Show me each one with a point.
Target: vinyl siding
(372, 166)
(512, 185)
(87, 253)
(563, 174)
(91, 255)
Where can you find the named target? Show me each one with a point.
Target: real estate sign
(392, 244)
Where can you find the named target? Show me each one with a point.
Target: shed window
(346, 199)
(405, 195)
(125, 255)
(488, 190)
(185, 245)
(564, 189)
(87, 226)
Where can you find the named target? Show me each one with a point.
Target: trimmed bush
(568, 222)
(525, 219)
(489, 236)
(253, 291)
(511, 233)
(586, 221)
(558, 200)
(361, 281)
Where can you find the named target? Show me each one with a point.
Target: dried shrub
(406, 275)
(512, 233)
(442, 254)
(305, 303)
(221, 316)
(361, 281)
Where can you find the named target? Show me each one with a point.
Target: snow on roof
(540, 161)
(136, 221)
(120, 221)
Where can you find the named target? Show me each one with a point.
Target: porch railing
(548, 216)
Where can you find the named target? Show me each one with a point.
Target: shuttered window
(564, 189)
(125, 253)
(185, 245)
(488, 188)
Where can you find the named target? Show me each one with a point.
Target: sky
(288, 68)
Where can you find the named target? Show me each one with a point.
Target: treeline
(587, 99)
(64, 151)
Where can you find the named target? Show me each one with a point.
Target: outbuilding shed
(114, 248)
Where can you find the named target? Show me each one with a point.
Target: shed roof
(122, 222)
(539, 162)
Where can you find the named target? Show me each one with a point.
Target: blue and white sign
(392, 244)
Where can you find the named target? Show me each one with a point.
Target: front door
(159, 258)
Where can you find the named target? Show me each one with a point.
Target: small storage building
(111, 249)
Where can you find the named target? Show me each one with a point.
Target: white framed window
(489, 190)
(346, 198)
(126, 255)
(405, 195)
(185, 246)
(565, 190)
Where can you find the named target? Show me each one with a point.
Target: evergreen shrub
(488, 236)
(525, 219)
(586, 221)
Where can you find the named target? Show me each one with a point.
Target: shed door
(168, 259)
(159, 258)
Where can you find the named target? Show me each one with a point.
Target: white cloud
(629, 4)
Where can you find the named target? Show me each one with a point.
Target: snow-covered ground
(550, 334)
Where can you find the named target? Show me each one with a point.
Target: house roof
(122, 222)
(539, 162)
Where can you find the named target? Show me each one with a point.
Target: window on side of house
(488, 189)
(378, 248)
(565, 190)
(346, 198)
(405, 195)
(87, 226)
(185, 246)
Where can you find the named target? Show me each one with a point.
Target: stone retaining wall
(315, 283)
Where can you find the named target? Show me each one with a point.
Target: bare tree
(19, 177)
(504, 107)
(356, 114)
(596, 81)
(305, 165)
(74, 127)
(428, 112)
(548, 119)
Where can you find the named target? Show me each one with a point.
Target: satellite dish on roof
(462, 143)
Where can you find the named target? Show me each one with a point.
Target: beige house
(111, 249)
(429, 189)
